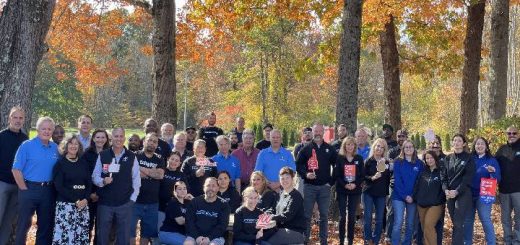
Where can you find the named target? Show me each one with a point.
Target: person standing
(247, 156)
(179, 141)
(349, 174)
(167, 133)
(98, 143)
(32, 171)
(10, 139)
(388, 135)
(306, 138)
(430, 197)
(209, 134)
(84, 127)
(58, 134)
(146, 207)
(457, 176)
(265, 142)
(486, 167)
(363, 147)
(239, 129)
(227, 162)
(118, 178)
(274, 158)
(342, 134)
(73, 183)
(191, 136)
(317, 178)
(375, 191)
(508, 157)
(163, 149)
(407, 168)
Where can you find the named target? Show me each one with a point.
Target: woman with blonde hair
(267, 197)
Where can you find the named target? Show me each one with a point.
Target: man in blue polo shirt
(32, 171)
(274, 158)
(226, 161)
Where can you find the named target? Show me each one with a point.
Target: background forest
(273, 61)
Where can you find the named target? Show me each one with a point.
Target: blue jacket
(481, 172)
(405, 175)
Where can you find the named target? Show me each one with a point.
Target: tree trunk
(164, 100)
(498, 64)
(392, 82)
(23, 27)
(471, 69)
(348, 70)
(264, 76)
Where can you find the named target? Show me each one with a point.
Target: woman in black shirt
(197, 168)
(228, 192)
(73, 183)
(268, 198)
(289, 212)
(377, 182)
(172, 174)
(245, 231)
(173, 231)
(349, 174)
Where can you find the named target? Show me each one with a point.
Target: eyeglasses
(190, 132)
(512, 133)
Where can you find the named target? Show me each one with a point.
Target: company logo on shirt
(517, 153)
(174, 178)
(462, 163)
(183, 210)
(147, 164)
(250, 221)
(356, 162)
(125, 159)
(416, 169)
(207, 213)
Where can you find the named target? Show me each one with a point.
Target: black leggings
(347, 202)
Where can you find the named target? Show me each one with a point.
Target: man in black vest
(117, 176)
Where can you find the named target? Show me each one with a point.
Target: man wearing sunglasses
(508, 157)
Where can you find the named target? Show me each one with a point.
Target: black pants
(458, 210)
(92, 210)
(39, 199)
(347, 202)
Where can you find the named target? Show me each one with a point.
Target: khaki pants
(429, 217)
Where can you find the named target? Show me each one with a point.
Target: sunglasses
(512, 133)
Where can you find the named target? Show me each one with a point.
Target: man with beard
(191, 136)
(146, 207)
(388, 135)
(167, 133)
(508, 157)
(402, 135)
(209, 134)
(10, 139)
(163, 149)
(306, 138)
(134, 143)
(233, 138)
(117, 176)
(317, 178)
(342, 133)
(207, 217)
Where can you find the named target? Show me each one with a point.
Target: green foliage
(447, 142)
(494, 132)
(423, 143)
(292, 138)
(55, 92)
(285, 137)
(259, 134)
(417, 142)
(413, 139)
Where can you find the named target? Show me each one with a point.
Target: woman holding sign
(377, 182)
(248, 228)
(349, 175)
(407, 168)
(457, 175)
(197, 168)
(487, 172)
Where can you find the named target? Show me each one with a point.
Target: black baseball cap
(190, 127)
(268, 125)
(388, 126)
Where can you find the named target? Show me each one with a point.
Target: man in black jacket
(508, 157)
(317, 177)
(209, 134)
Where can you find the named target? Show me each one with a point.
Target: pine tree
(285, 138)
(447, 144)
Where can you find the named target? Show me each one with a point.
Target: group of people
(194, 188)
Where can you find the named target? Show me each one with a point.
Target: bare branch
(142, 4)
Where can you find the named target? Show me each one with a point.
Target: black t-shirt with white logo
(149, 191)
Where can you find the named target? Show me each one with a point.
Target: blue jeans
(149, 216)
(369, 203)
(317, 194)
(411, 212)
(171, 238)
(484, 214)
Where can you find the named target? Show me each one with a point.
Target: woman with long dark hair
(98, 142)
(173, 230)
(486, 167)
(227, 192)
(350, 174)
(73, 182)
(458, 174)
